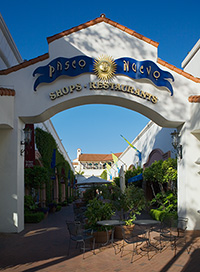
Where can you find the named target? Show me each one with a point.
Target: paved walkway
(43, 247)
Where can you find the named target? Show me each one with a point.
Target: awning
(136, 178)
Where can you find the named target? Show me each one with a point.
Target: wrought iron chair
(136, 237)
(172, 231)
(80, 236)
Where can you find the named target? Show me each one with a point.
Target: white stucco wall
(36, 107)
(191, 62)
(7, 112)
(11, 179)
(166, 112)
(151, 137)
(9, 54)
(189, 177)
(102, 39)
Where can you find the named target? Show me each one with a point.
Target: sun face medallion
(105, 67)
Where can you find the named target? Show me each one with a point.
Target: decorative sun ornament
(105, 67)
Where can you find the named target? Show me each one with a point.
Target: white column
(11, 179)
(189, 179)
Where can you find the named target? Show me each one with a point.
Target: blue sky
(96, 129)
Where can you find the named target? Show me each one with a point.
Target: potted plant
(98, 211)
(129, 204)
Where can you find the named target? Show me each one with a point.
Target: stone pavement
(43, 247)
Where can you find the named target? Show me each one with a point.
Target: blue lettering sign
(83, 64)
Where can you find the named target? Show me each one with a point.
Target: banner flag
(115, 159)
(139, 153)
(53, 159)
(108, 167)
(108, 170)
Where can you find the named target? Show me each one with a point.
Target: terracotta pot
(118, 231)
(101, 236)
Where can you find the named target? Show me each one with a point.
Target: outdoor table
(148, 223)
(110, 223)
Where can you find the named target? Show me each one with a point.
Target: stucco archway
(66, 78)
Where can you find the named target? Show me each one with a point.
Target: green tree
(36, 177)
(135, 199)
(154, 174)
(169, 168)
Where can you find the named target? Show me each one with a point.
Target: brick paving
(43, 247)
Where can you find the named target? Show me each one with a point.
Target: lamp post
(27, 138)
(175, 142)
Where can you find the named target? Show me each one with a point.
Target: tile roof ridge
(178, 70)
(24, 64)
(7, 92)
(97, 20)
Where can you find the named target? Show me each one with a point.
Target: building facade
(93, 164)
(10, 57)
(73, 73)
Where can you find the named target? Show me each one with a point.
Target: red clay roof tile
(24, 64)
(194, 99)
(97, 157)
(100, 19)
(7, 92)
(177, 70)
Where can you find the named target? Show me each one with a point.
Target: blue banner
(63, 66)
(135, 178)
(124, 66)
(144, 69)
(53, 159)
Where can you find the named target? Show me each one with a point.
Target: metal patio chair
(172, 231)
(136, 238)
(80, 236)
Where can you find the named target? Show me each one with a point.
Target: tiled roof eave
(178, 70)
(7, 92)
(100, 19)
(194, 99)
(24, 64)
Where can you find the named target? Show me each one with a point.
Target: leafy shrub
(135, 199)
(166, 201)
(58, 208)
(33, 217)
(160, 215)
(29, 204)
(97, 211)
(117, 181)
(157, 214)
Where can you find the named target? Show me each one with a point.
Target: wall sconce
(175, 142)
(27, 138)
